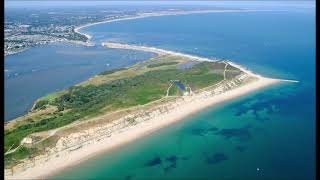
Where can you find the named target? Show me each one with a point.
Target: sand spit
(80, 146)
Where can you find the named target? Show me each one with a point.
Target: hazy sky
(159, 0)
(137, 2)
(36, 3)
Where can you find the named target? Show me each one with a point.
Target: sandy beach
(70, 159)
(153, 50)
(47, 166)
(67, 158)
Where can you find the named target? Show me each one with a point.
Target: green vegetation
(112, 71)
(83, 101)
(162, 64)
(52, 96)
(23, 152)
(232, 72)
(174, 90)
(41, 104)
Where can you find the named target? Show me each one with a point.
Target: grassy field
(109, 91)
(162, 64)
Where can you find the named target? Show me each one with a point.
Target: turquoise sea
(266, 135)
(269, 134)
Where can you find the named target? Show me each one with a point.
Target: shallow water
(180, 85)
(269, 134)
(229, 141)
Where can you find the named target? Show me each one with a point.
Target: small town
(21, 34)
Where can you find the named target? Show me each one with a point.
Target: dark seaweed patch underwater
(172, 159)
(169, 162)
(261, 107)
(198, 132)
(216, 158)
(154, 162)
(241, 134)
(203, 131)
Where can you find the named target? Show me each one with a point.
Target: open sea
(269, 134)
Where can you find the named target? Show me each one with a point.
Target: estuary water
(45, 69)
(269, 134)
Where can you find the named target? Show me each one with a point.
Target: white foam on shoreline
(153, 50)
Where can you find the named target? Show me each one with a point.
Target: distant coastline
(138, 16)
(165, 13)
(58, 40)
